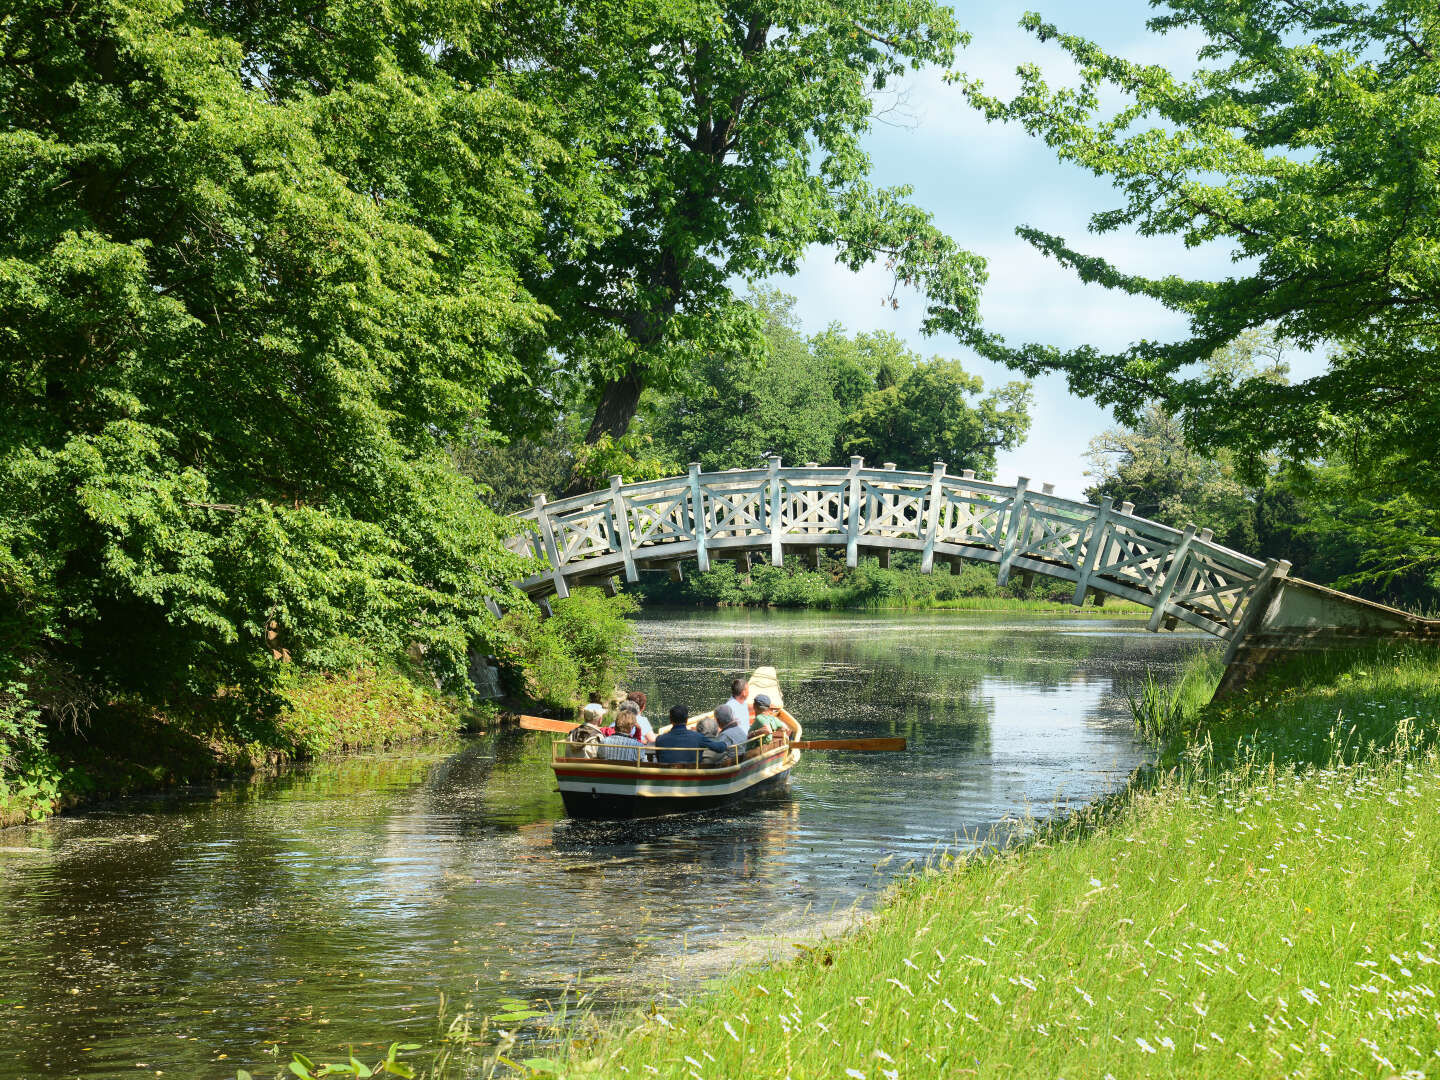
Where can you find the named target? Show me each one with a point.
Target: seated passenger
(732, 734)
(740, 703)
(680, 744)
(622, 746)
(643, 731)
(766, 713)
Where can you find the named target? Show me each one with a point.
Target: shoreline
(1000, 961)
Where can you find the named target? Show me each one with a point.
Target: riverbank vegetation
(1225, 915)
(267, 276)
(832, 586)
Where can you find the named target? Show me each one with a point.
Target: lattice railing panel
(809, 509)
(1213, 589)
(660, 518)
(976, 520)
(1054, 536)
(1134, 559)
(891, 510)
(581, 535)
(736, 510)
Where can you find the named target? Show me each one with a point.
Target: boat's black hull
(609, 807)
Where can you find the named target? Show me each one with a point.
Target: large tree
(935, 411)
(1307, 142)
(741, 406)
(730, 133)
(256, 264)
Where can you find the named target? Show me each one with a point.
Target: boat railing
(564, 750)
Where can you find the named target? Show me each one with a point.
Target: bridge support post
(932, 516)
(552, 552)
(1172, 578)
(852, 513)
(777, 528)
(620, 527)
(1013, 530)
(1275, 572)
(1097, 543)
(697, 518)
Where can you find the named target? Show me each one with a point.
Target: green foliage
(835, 395)
(389, 1065)
(1153, 466)
(729, 136)
(741, 405)
(1168, 711)
(348, 710)
(509, 473)
(586, 645)
(629, 457)
(933, 413)
(254, 266)
(1306, 143)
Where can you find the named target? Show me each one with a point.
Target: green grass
(1266, 904)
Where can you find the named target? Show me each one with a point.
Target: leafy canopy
(729, 135)
(1308, 142)
(255, 264)
(934, 412)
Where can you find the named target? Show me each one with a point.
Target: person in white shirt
(643, 729)
(739, 703)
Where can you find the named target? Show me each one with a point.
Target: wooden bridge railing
(1183, 575)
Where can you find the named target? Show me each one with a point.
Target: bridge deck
(1182, 574)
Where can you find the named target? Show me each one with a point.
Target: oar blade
(544, 723)
(850, 744)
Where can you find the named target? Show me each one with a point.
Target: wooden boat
(597, 788)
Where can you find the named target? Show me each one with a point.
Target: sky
(980, 181)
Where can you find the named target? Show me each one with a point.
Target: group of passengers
(744, 726)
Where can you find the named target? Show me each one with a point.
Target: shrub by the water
(587, 644)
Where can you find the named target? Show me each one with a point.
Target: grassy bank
(128, 747)
(1266, 904)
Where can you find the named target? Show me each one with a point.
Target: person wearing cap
(766, 714)
(678, 746)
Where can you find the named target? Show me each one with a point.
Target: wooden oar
(849, 744)
(542, 723)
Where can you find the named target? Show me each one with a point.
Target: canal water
(332, 906)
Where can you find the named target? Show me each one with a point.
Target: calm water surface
(190, 935)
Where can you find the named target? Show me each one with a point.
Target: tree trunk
(618, 401)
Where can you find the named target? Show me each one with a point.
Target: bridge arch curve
(1182, 575)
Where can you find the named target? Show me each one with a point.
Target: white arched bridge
(1182, 575)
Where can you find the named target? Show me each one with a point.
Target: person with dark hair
(680, 745)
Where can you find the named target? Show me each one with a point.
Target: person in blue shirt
(678, 746)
